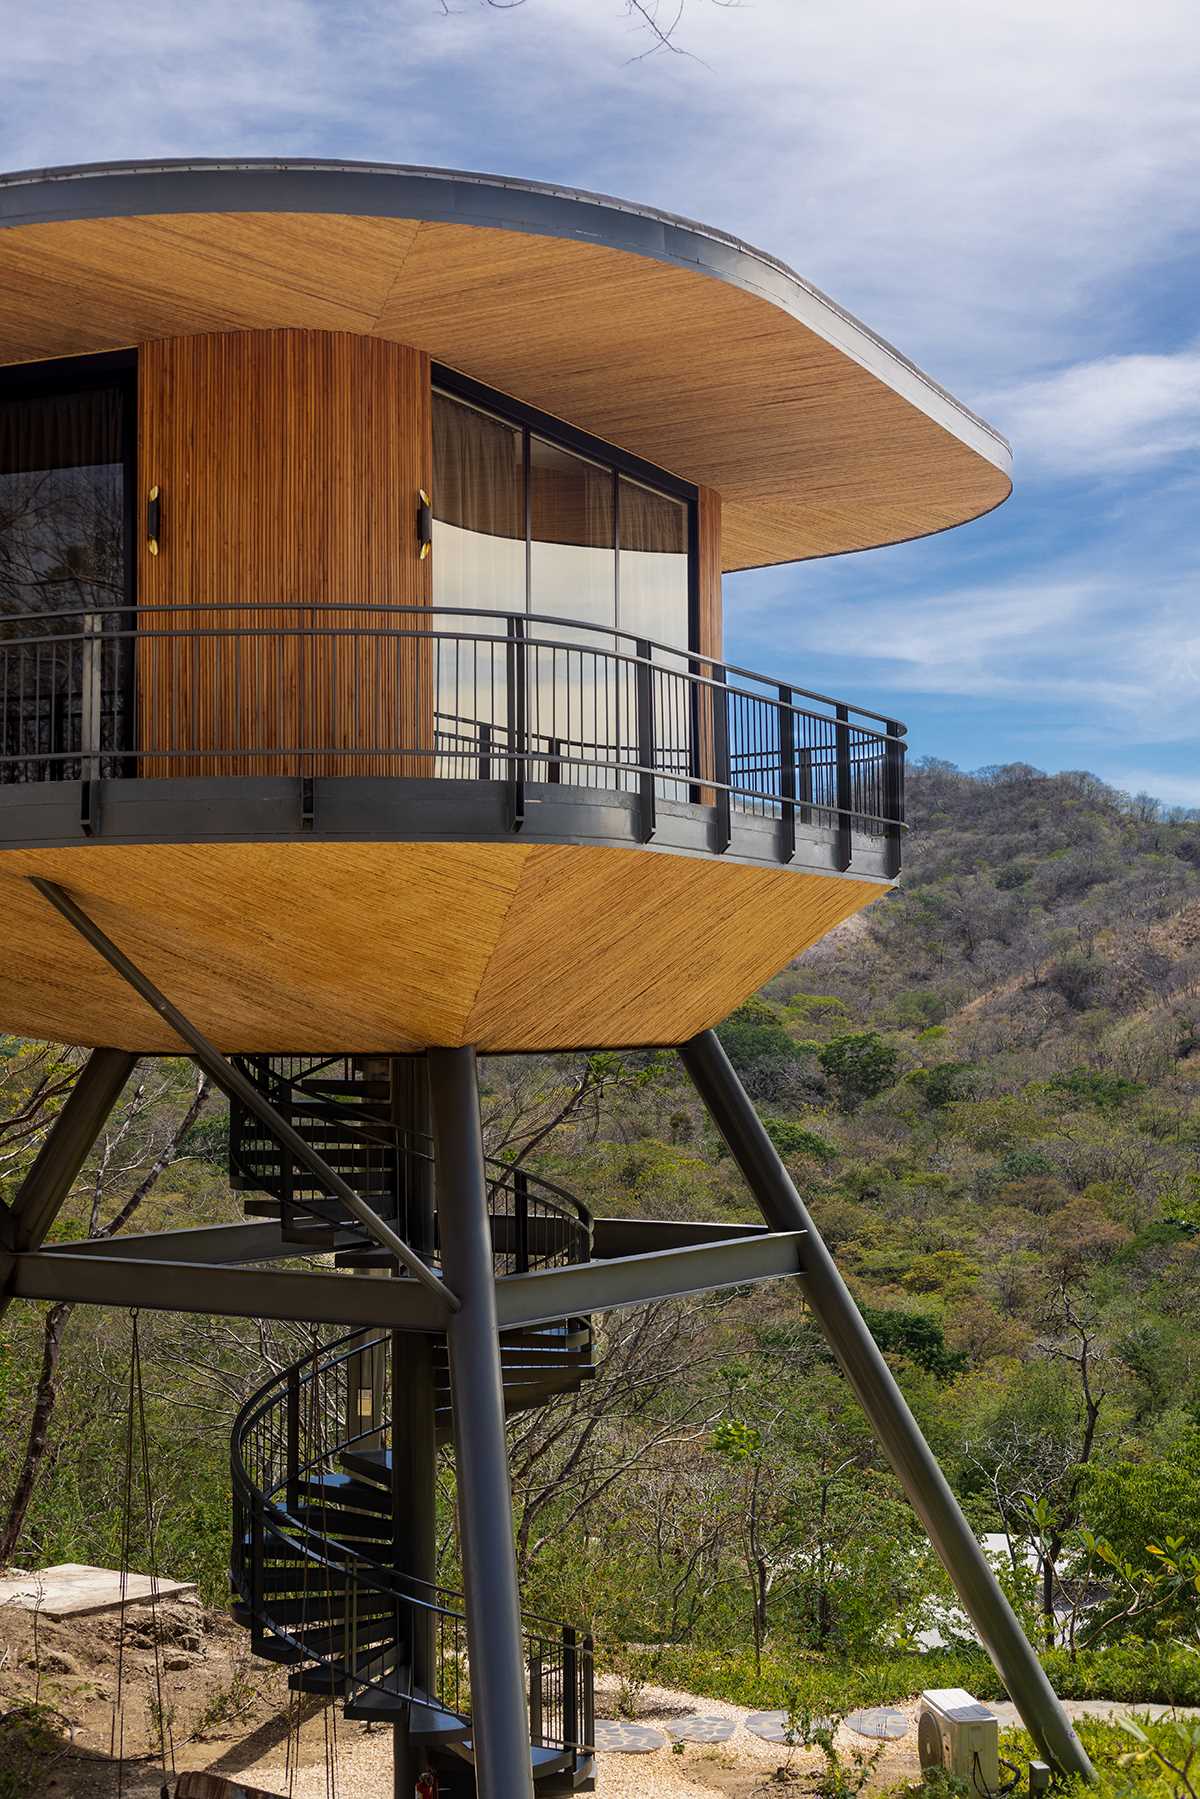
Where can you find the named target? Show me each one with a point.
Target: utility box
(961, 1736)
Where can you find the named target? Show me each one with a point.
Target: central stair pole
(499, 1709)
(414, 1419)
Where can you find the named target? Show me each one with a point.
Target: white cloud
(1114, 415)
(1171, 789)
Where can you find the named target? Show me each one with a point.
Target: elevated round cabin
(361, 636)
(365, 704)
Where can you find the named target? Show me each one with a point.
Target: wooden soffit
(672, 340)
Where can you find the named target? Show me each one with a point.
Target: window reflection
(589, 548)
(63, 560)
(479, 564)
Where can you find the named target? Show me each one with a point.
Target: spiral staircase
(320, 1466)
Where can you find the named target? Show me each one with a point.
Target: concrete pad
(73, 1590)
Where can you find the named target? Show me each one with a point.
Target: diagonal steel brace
(237, 1086)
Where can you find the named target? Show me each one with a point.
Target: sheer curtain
(478, 564)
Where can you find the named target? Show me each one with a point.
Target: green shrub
(917, 1336)
(1106, 1092)
(860, 1064)
(792, 1139)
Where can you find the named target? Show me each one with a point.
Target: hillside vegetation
(988, 1089)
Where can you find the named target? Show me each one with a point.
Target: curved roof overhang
(676, 342)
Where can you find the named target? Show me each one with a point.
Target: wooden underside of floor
(315, 947)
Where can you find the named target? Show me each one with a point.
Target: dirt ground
(228, 1713)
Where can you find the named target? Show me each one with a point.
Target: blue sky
(1010, 194)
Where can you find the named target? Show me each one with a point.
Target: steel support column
(414, 1407)
(499, 1711)
(868, 1373)
(47, 1186)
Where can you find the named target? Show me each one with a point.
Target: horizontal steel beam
(553, 1293)
(641, 1236)
(211, 1244)
(286, 1294)
(128, 1275)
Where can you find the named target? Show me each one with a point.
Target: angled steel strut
(236, 1085)
(47, 1186)
(898, 1431)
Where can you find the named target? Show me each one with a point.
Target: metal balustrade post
(518, 700)
(570, 1698)
(893, 796)
(787, 776)
(536, 1726)
(843, 838)
(521, 1200)
(91, 713)
(588, 1668)
(805, 785)
(485, 752)
(874, 1384)
(499, 1705)
(723, 831)
(293, 1437)
(644, 703)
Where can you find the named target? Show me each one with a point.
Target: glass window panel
(654, 605)
(63, 559)
(574, 536)
(62, 521)
(479, 564)
(576, 698)
(654, 565)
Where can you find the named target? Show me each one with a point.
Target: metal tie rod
(237, 1086)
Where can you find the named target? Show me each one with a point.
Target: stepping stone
(880, 1722)
(702, 1729)
(773, 1727)
(615, 1737)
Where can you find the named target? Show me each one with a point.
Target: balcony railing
(449, 694)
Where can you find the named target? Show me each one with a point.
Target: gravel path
(698, 1772)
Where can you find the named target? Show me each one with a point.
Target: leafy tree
(945, 1083)
(860, 1064)
(1094, 1087)
(792, 1139)
(917, 1336)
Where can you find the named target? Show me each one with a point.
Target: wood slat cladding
(812, 446)
(317, 946)
(710, 621)
(289, 464)
(710, 624)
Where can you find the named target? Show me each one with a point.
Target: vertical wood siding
(289, 463)
(710, 633)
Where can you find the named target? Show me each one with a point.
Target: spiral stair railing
(317, 1554)
(353, 1625)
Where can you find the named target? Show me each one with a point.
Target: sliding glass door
(536, 529)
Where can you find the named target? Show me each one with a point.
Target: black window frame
(532, 422)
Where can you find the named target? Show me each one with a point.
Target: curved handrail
(266, 1517)
(400, 691)
(248, 612)
(571, 1243)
